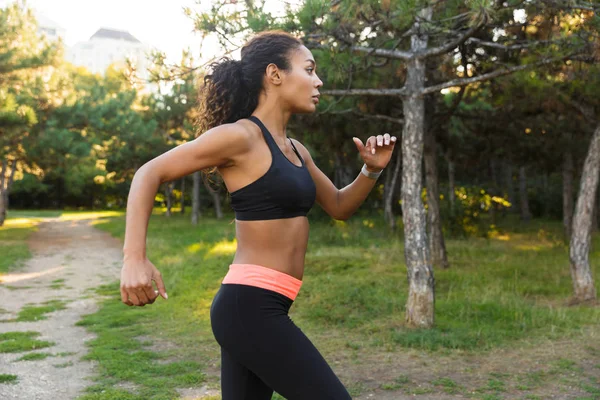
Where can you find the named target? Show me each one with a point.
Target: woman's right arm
(220, 146)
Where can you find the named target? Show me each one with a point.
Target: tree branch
(489, 75)
(366, 92)
(395, 54)
(507, 47)
(445, 48)
(379, 116)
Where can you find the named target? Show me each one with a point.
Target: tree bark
(216, 197)
(390, 191)
(196, 211)
(5, 186)
(567, 175)
(342, 173)
(493, 191)
(579, 249)
(595, 216)
(525, 213)
(510, 187)
(2, 205)
(183, 196)
(420, 304)
(169, 197)
(451, 183)
(437, 246)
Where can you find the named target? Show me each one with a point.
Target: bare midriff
(279, 244)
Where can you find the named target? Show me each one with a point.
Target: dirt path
(84, 258)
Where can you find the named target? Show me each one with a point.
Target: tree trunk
(525, 214)
(342, 172)
(5, 186)
(567, 175)
(2, 208)
(168, 197)
(2, 205)
(390, 191)
(216, 197)
(437, 246)
(547, 194)
(421, 283)
(579, 249)
(595, 218)
(494, 189)
(182, 196)
(196, 211)
(451, 183)
(510, 187)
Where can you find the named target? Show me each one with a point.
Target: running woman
(273, 182)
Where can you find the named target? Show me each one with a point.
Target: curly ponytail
(231, 91)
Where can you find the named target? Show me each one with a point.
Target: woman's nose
(319, 83)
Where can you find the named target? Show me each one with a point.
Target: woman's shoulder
(240, 132)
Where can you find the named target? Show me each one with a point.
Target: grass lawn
(498, 292)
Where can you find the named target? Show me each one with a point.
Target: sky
(157, 23)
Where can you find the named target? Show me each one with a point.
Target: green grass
(35, 313)
(58, 284)
(34, 357)
(496, 292)
(13, 242)
(7, 378)
(124, 358)
(398, 383)
(16, 342)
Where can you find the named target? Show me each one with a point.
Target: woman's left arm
(342, 203)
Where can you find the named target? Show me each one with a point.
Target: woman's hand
(136, 282)
(377, 151)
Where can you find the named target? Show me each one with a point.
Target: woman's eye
(310, 70)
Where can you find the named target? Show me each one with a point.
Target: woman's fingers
(150, 293)
(379, 141)
(142, 297)
(372, 143)
(160, 285)
(125, 297)
(133, 297)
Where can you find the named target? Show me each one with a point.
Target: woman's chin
(311, 109)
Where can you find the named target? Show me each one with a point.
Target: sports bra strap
(296, 151)
(268, 138)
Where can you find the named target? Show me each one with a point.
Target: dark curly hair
(231, 91)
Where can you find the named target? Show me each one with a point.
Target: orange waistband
(263, 277)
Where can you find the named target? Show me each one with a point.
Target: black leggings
(263, 350)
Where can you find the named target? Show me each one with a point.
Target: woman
(273, 183)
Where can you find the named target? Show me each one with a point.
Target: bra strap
(268, 137)
(296, 151)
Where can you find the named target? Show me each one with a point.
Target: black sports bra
(284, 191)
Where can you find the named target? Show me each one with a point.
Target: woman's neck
(274, 118)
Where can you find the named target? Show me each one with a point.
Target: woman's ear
(273, 74)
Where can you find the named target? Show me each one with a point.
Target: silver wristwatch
(368, 174)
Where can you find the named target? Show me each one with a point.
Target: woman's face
(300, 86)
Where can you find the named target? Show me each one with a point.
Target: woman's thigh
(288, 362)
(239, 383)
(253, 326)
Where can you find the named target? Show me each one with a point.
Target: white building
(49, 28)
(110, 46)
